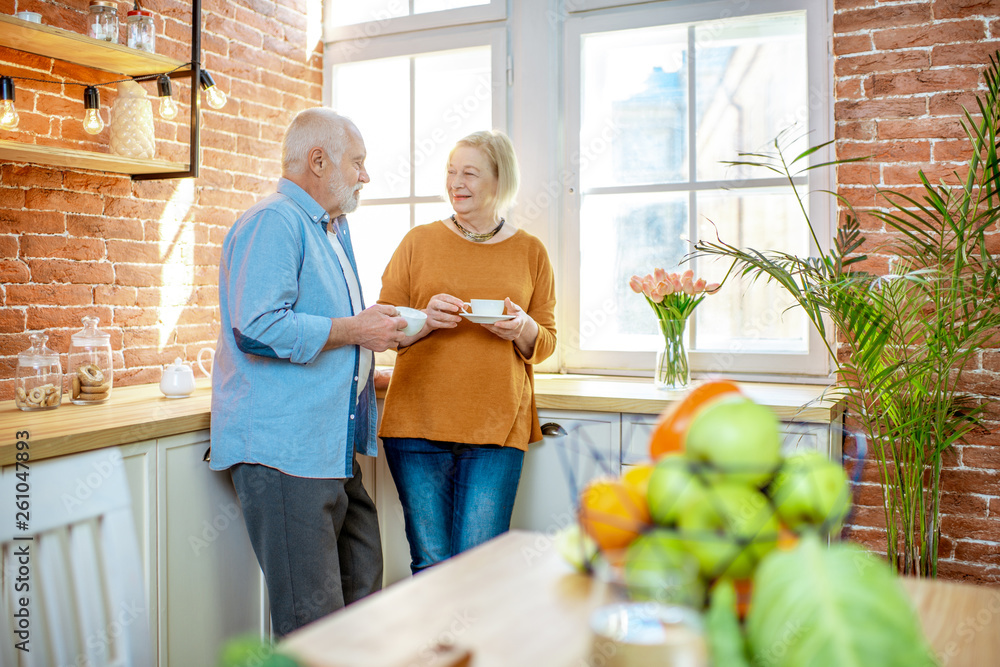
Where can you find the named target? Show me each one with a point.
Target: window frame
(816, 363)
(495, 10)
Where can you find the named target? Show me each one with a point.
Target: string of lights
(92, 121)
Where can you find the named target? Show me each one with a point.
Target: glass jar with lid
(39, 383)
(90, 364)
(140, 30)
(102, 21)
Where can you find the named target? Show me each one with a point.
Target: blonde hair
(499, 152)
(319, 127)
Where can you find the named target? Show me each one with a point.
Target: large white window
(657, 99)
(411, 106)
(622, 114)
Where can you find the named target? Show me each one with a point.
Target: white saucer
(486, 319)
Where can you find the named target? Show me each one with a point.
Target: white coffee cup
(492, 307)
(414, 319)
(32, 17)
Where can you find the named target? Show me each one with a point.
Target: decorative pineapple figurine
(132, 133)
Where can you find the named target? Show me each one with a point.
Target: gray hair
(319, 127)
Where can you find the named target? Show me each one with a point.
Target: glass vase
(672, 370)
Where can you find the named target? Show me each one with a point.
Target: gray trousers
(317, 541)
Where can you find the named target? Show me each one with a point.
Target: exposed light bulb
(215, 97)
(8, 113)
(92, 121)
(168, 108)
(8, 116)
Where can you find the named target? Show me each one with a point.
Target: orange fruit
(637, 477)
(612, 513)
(668, 436)
(744, 591)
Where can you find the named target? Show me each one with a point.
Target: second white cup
(486, 306)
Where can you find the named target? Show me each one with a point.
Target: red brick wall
(903, 71)
(143, 255)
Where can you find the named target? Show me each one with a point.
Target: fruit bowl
(725, 500)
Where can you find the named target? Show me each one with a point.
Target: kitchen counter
(141, 412)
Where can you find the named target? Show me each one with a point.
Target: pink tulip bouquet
(673, 297)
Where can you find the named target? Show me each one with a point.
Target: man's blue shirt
(277, 398)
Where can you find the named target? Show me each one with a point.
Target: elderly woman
(460, 409)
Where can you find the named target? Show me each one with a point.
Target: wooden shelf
(13, 151)
(62, 44)
(72, 47)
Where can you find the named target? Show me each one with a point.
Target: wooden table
(513, 601)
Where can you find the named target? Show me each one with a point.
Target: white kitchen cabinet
(556, 468)
(637, 429)
(203, 583)
(140, 470)
(395, 548)
(210, 586)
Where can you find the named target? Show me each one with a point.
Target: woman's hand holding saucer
(513, 328)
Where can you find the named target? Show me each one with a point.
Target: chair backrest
(71, 582)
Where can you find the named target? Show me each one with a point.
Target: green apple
(809, 489)
(659, 567)
(738, 438)
(730, 531)
(672, 488)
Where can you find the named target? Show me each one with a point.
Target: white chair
(86, 603)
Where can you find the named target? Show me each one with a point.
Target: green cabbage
(836, 606)
(725, 637)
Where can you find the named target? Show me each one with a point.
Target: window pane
(424, 213)
(350, 12)
(382, 113)
(453, 98)
(750, 75)
(424, 6)
(745, 317)
(375, 232)
(634, 124)
(620, 236)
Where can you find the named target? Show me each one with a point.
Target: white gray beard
(348, 197)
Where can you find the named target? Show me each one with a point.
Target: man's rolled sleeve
(263, 288)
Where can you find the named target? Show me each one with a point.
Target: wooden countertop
(140, 412)
(513, 601)
(131, 414)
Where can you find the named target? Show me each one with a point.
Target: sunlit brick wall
(903, 71)
(143, 255)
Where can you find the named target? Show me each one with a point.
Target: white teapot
(177, 380)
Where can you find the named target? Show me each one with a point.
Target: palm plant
(908, 334)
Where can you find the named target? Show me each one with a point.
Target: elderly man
(292, 395)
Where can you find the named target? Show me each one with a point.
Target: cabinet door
(637, 429)
(140, 471)
(556, 468)
(211, 588)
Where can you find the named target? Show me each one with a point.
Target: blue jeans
(455, 496)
